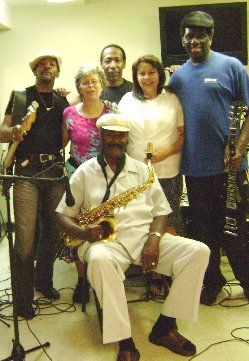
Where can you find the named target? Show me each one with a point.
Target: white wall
(79, 33)
(4, 15)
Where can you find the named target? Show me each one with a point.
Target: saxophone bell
(110, 228)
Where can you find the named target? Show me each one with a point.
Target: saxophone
(101, 215)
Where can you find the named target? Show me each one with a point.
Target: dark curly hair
(112, 46)
(156, 63)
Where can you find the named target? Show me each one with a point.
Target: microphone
(70, 201)
(149, 151)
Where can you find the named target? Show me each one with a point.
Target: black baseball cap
(197, 19)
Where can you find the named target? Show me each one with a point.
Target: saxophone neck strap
(103, 164)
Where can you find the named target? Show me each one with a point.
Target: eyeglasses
(87, 83)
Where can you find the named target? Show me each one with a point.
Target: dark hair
(197, 20)
(156, 63)
(112, 46)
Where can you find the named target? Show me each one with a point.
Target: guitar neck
(233, 212)
(231, 202)
(230, 227)
(26, 125)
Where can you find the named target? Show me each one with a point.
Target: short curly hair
(90, 69)
(156, 63)
(112, 46)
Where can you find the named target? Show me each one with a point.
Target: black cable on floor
(39, 342)
(235, 338)
(40, 304)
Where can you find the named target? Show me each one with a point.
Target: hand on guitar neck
(18, 133)
(232, 162)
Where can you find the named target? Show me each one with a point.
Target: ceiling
(21, 3)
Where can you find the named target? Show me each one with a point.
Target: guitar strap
(19, 105)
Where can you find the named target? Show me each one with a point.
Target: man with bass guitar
(207, 85)
(39, 141)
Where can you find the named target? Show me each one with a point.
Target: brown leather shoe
(128, 355)
(175, 342)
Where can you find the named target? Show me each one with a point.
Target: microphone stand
(18, 353)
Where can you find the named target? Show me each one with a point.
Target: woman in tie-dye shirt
(80, 119)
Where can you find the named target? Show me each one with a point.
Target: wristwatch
(157, 234)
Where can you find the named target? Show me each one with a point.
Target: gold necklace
(45, 106)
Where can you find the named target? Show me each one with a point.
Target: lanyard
(103, 164)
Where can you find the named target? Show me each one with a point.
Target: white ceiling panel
(20, 3)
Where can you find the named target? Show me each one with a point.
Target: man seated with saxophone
(115, 182)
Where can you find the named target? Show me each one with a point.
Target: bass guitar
(232, 212)
(26, 125)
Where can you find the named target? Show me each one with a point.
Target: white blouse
(154, 120)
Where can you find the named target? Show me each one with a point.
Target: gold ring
(153, 264)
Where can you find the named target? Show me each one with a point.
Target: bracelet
(157, 234)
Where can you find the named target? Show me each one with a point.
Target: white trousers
(184, 259)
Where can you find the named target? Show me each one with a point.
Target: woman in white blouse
(156, 116)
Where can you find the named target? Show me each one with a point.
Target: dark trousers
(28, 196)
(207, 209)
(172, 188)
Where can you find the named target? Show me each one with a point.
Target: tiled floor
(75, 336)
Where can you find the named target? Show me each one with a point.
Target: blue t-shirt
(206, 92)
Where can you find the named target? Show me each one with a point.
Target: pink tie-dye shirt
(83, 134)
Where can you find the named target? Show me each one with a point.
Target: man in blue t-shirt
(207, 85)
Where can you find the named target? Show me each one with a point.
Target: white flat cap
(114, 121)
(45, 54)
